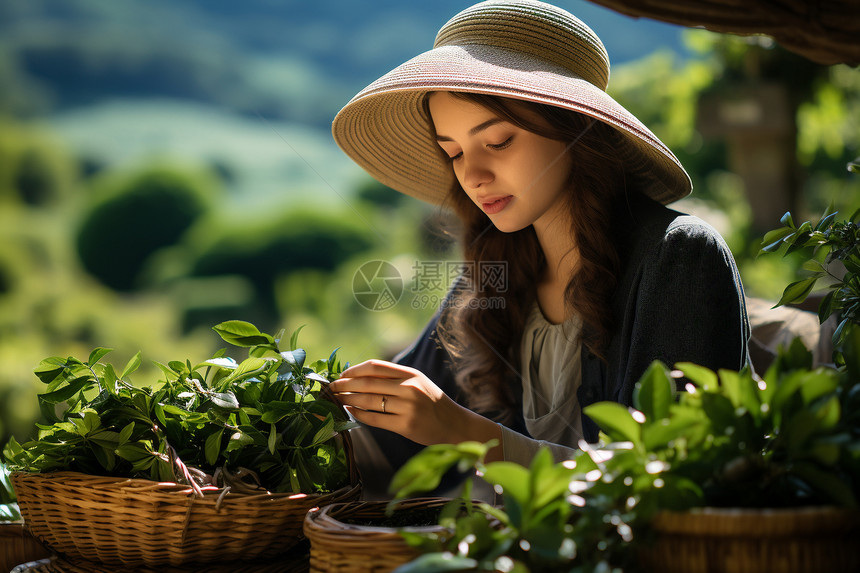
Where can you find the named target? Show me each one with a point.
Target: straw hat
(521, 49)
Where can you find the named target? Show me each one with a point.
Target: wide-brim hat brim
(386, 130)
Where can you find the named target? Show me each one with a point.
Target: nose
(475, 172)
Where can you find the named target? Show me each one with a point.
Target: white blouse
(551, 375)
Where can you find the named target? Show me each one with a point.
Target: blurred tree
(260, 249)
(135, 216)
(379, 195)
(35, 181)
(662, 89)
(34, 169)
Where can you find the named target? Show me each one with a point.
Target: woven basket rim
(325, 518)
(141, 485)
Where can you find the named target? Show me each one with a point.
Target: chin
(508, 226)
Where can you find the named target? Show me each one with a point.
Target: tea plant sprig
(824, 243)
(259, 423)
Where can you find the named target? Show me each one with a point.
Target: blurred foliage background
(165, 166)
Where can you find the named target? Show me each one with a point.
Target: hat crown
(536, 28)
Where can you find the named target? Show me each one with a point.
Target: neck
(559, 248)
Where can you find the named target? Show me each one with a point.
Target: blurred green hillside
(165, 166)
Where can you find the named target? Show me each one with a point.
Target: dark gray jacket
(679, 299)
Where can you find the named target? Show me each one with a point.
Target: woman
(507, 122)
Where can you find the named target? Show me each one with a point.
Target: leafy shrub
(728, 441)
(824, 243)
(261, 250)
(217, 422)
(142, 214)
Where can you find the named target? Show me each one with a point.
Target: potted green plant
(737, 473)
(225, 456)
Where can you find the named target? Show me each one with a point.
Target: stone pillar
(757, 120)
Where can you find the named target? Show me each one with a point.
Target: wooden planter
(732, 540)
(340, 546)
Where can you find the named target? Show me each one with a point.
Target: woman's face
(515, 176)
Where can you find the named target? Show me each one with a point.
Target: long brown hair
(482, 326)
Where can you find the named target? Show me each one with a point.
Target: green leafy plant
(792, 439)
(832, 250)
(259, 423)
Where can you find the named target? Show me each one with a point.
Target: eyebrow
(475, 130)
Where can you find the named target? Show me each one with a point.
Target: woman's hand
(403, 400)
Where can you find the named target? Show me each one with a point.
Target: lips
(494, 204)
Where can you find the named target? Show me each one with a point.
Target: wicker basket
(715, 540)
(136, 522)
(337, 545)
(18, 546)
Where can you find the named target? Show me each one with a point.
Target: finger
(377, 368)
(381, 403)
(366, 385)
(375, 419)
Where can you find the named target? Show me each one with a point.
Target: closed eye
(501, 145)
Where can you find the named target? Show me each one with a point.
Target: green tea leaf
(242, 334)
(702, 377)
(134, 452)
(131, 367)
(773, 240)
(826, 219)
(67, 392)
(512, 478)
(273, 439)
(213, 447)
(653, 394)
(97, 354)
(615, 420)
(222, 362)
(126, 432)
(294, 339)
(247, 368)
(295, 357)
(49, 368)
(663, 432)
(325, 433)
(825, 307)
(797, 292)
(226, 400)
(239, 440)
(424, 471)
(105, 457)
